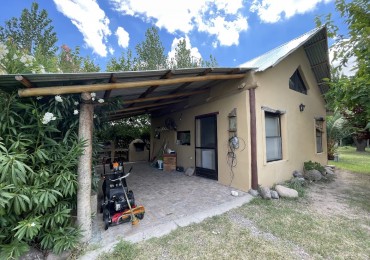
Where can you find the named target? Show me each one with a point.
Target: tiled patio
(167, 197)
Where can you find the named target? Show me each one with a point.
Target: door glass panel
(206, 158)
(205, 132)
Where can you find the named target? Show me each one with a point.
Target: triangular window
(296, 83)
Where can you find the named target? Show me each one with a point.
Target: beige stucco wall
(221, 99)
(298, 128)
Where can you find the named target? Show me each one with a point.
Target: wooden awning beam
(59, 90)
(25, 82)
(146, 106)
(140, 100)
(167, 75)
(183, 86)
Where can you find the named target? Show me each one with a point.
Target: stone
(253, 192)
(265, 193)
(189, 171)
(297, 174)
(286, 192)
(312, 175)
(32, 254)
(330, 166)
(274, 194)
(234, 193)
(329, 170)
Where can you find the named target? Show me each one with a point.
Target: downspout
(85, 131)
(252, 107)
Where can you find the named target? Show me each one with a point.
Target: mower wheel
(140, 216)
(106, 216)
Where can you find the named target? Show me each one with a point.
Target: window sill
(275, 162)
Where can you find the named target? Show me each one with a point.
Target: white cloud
(220, 18)
(111, 50)
(194, 52)
(123, 37)
(90, 20)
(272, 11)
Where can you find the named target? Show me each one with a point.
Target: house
(257, 130)
(240, 126)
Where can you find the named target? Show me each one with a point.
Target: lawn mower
(118, 205)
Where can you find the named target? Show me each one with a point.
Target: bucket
(160, 164)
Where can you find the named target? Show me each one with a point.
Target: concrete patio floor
(171, 199)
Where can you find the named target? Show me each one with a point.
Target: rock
(312, 175)
(253, 192)
(329, 170)
(286, 192)
(297, 174)
(330, 166)
(298, 181)
(274, 194)
(234, 193)
(189, 171)
(265, 193)
(33, 254)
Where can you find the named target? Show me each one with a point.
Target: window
(296, 83)
(183, 137)
(273, 137)
(319, 132)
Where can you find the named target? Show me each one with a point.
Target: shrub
(38, 174)
(307, 166)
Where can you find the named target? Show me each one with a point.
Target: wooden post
(252, 106)
(85, 131)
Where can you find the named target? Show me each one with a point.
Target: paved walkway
(171, 199)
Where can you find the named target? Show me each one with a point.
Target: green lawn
(353, 161)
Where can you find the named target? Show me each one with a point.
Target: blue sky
(233, 31)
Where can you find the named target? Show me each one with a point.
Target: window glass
(296, 83)
(273, 137)
(319, 132)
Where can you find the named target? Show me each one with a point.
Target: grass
(353, 161)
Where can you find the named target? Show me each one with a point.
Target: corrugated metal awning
(141, 91)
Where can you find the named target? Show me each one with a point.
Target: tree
(350, 95)
(151, 52)
(124, 63)
(336, 129)
(70, 61)
(32, 32)
(183, 57)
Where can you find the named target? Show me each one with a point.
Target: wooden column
(252, 106)
(85, 132)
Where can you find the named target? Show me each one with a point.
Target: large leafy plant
(39, 151)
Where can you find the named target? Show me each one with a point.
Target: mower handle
(124, 176)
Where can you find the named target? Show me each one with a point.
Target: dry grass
(276, 229)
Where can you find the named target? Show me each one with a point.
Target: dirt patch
(333, 198)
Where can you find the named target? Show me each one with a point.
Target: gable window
(296, 83)
(319, 134)
(273, 137)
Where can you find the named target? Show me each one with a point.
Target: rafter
(140, 100)
(146, 106)
(112, 79)
(25, 82)
(167, 75)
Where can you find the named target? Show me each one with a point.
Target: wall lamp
(301, 107)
